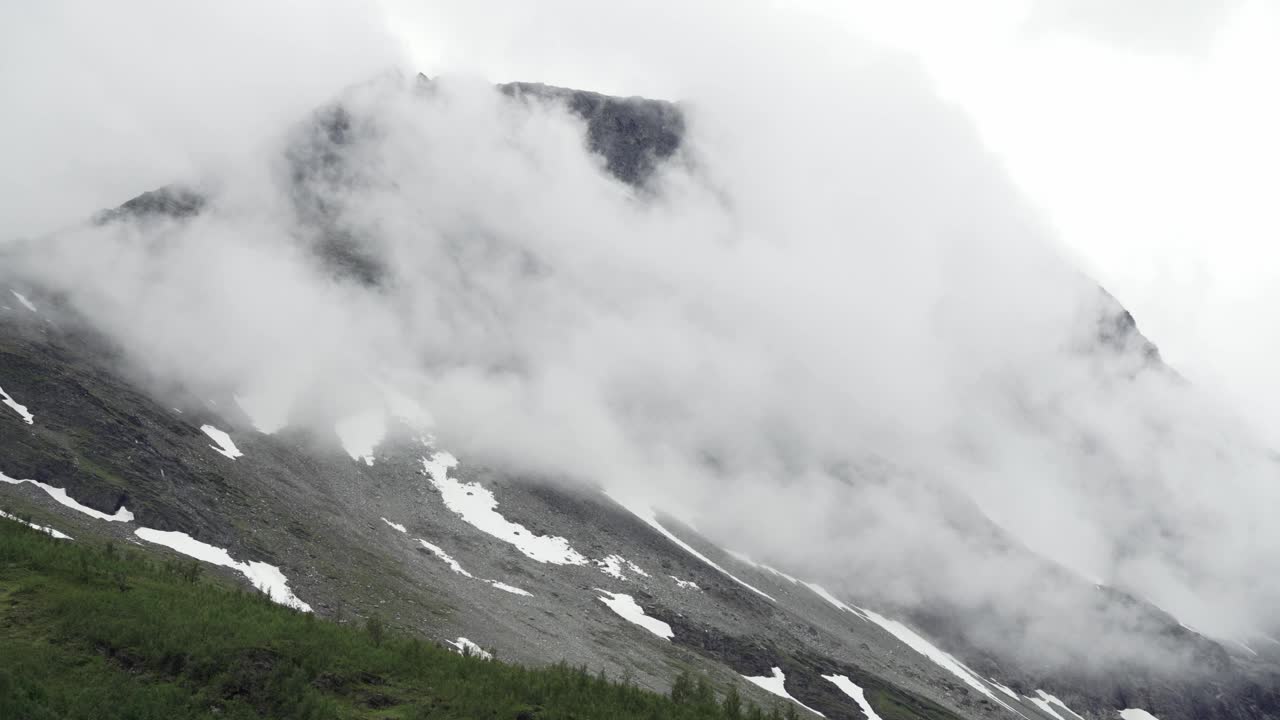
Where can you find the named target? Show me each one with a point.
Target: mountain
(347, 524)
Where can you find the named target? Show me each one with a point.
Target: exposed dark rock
(171, 201)
(633, 134)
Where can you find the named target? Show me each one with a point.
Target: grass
(99, 632)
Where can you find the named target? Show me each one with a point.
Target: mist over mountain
(803, 312)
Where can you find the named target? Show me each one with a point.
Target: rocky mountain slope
(535, 569)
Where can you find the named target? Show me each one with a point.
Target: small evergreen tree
(703, 694)
(682, 689)
(376, 629)
(732, 705)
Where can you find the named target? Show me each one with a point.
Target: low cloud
(1171, 27)
(829, 332)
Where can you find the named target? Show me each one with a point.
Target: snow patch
(613, 566)
(457, 567)
(1003, 689)
(265, 577)
(848, 687)
(916, 642)
(816, 588)
(645, 513)
(685, 584)
(627, 607)
(225, 447)
(1045, 702)
(448, 560)
(1045, 706)
(509, 588)
(466, 647)
(361, 433)
(746, 560)
(776, 684)
(476, 505)
(18, 408)
(25, 302)
(46, 530)
(1135, 714)
(60, 495)
(822, 593)
(397, 526)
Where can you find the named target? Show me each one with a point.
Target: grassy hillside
(101, 632)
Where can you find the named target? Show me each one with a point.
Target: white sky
(1145, 131)
(1158, 161)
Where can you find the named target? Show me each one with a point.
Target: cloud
(110, 99)
(1174, 27)
(831, 332)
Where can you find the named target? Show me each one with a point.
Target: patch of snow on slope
(685, 584)
(1047, 700)
(509, 588)
(225, 447)
(476, 505)
(613, 566)
(1045, 706)
(457, 567)
(822, 593)
(361, 433)
(848, 687)
(25, 302)
(18, 408)
(776, 684)
(61, 496)
(46, 530)
(448, 560)
(269, 579)
(816, 588)
(397, 526)
(466, 647)
(627, 607)
(1135, 714)
(917, 642)
(1003, 689)
(747, 560)
(265, 577)
(645, 513)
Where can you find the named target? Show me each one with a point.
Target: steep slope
(101, 632)
(353, 523)
(404, 538)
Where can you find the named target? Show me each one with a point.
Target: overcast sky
(1144, 130)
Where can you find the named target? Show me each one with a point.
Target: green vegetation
(96, 632)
